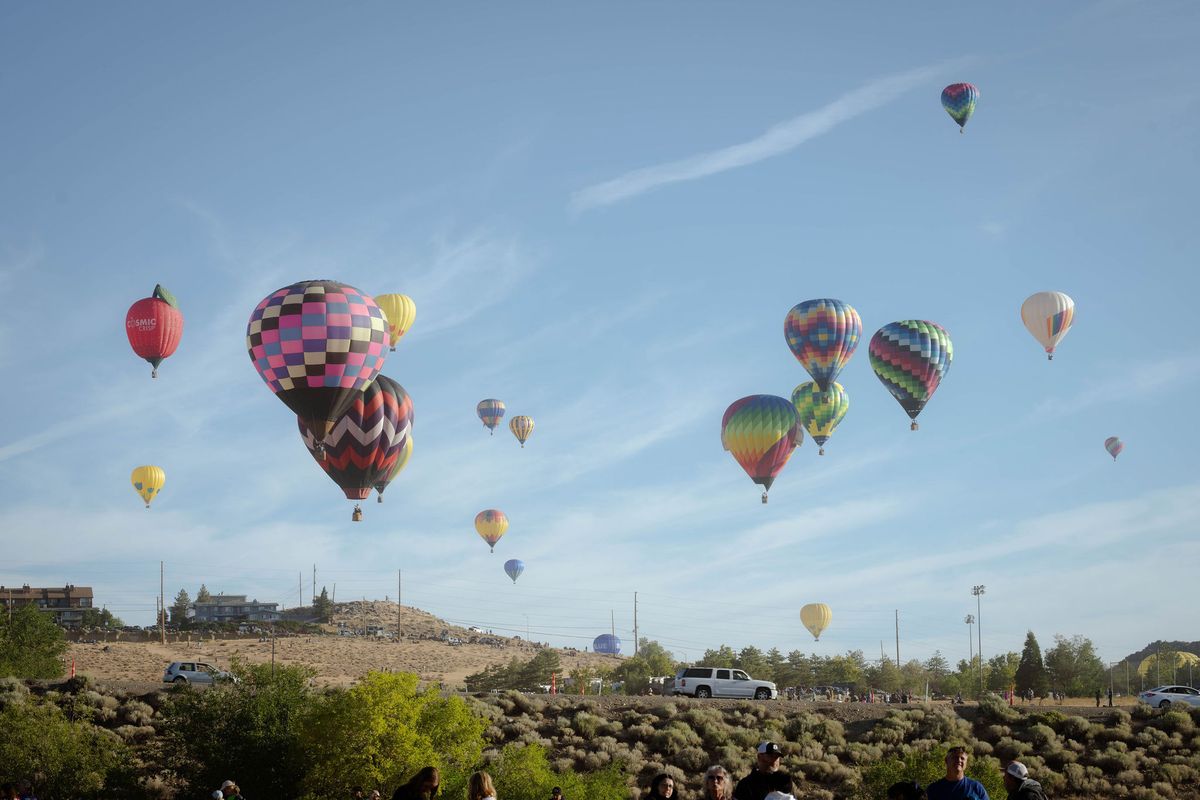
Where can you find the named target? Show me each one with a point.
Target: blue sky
(603, 216)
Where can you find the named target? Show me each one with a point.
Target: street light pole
(978, 592)
(970, 620)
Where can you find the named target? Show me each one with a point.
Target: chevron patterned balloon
(761, 431)
(367, 441)
(959, 101)
(820, 412)
(822, 335)
(910, 358)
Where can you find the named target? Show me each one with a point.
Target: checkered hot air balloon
(822, 335)
(490, 412)
(910, 358)
(154, 326)
(761, 431)
(959, 101)
(820, 412)
(317, 345)
(367, 441)
(491, 524)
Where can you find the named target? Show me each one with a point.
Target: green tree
(536, 672)
(652, 661)
(203, 596)
(322, 606)
(721, 657)
(1074, 667)
(1001, 671)
(524, 773)
(1031, 672)
(100, 618)
(179, 608)
(581, 679)
(386, 728)
(754, 662)
(31, 645)
(63, 758)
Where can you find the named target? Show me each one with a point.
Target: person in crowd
(905, 790)
(218, 795)
(231, 791)
(718, 783)
(956, 785)
(375, 795)
(662, 787)
(556, 793)
(422, 786)
(1097, 697)
(1019, 785)
(480, 787)
(8, 791)
(761, 779)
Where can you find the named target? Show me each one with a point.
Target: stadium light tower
(978, 592)
(970, 620)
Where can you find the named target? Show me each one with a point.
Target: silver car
(1167, 696)
(195, 672)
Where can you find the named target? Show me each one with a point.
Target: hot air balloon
(820, 412)
(367, 441)
(491, 525)
(959, 101)
(1114, 446)
(401, 313)
(317, 344)
(513, 568)
(154, 325)
(522, 428)
(823, 335)
(816, 617)
(491, 411)
(910, 358)
(607, 644)
(148, 481)
(761, 431)
(401, 463)
(1048, 316)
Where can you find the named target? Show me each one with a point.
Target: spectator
(718, 783)
(1097, 697)
(556, 793)
(761, 779)
(956, 785)
(357, 793)
(905, 790)
(230, 791)
(8, 791)
(422, 786)
(1020, 786)
(662, 787)
(480, 787)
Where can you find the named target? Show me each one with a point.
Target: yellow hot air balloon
(1178, 659)
(521, 427)
(816, 617)
(401, 313)
(491, 524)
(148, 482)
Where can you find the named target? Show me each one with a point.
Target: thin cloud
(778, 139)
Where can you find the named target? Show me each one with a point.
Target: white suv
(722, 682)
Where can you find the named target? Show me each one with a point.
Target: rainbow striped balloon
(959, 101)
(490, 412)
(1114, 446)
(761, 431)
(822, 335)
(910, 358)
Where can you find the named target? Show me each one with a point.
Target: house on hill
(232, 608)
(66, 604)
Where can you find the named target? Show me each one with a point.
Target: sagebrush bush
(136, 712)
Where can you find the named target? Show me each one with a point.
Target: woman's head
(480, 786)
(717, 783)
(426, 781)
(662, 786)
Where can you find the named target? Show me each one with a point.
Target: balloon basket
(357, 515)
(914, 426)
(392, 349)
(764, 498)
(379, 499)
(154, 373)
(821, 452)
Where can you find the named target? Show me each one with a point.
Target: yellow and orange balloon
(491, 525)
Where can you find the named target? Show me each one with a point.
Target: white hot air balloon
(1048, 316)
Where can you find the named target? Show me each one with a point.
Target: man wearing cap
(1020, 786)
(956, 785)
(766, 776)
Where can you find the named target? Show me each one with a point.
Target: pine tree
(323, 606)
(1031, 672)
(203, 596)
(180, 607)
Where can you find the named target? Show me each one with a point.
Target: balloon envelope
(1114, 446)
(491, 524)
(522, 428)
(513, 568)
(820, 412)
(816, 617)
(401, 463)
(959, 101)
(490, 411)
(401, 313)
(148, 482)
(607, 643)
(317, 344)
(823, 335)
(1048, 316)
(761, 431)
(910, 358)
(154, 326)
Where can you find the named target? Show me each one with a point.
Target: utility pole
(334, 598)
(612, 620)
(300, 583)
(978, 592)
(314, 591)
(1158, 665)
(970, 620)
(399, 579)
(897, 638)
(162, 604)
(635, 625)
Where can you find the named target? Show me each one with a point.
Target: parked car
(195, 672)
(1166, 696)
(721, 682)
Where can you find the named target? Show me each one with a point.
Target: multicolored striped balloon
(491, 525)
(910, 358)
(761, 431)
(959, 101)
(490, 411)
(1048, 316)
(823, 335)
(522, 428)
(820, 412)
(317, 344)
(366, 442)
(1114, 446)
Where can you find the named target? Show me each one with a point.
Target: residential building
(66, 604)
(232, 608)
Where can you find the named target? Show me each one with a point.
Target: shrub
(68, 758)
(524, 773)
(136, 713)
